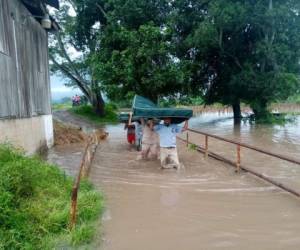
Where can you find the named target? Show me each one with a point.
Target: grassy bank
(60, 106)
(35, 203)
(86, 111)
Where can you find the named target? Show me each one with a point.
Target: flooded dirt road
(206, 205)
(203, 206)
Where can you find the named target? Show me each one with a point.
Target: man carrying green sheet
(167, 140)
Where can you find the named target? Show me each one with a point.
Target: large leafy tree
(71, 48)
(228, 51)
(135, 55)
(184, 18)
(137, 61)
(248, 51)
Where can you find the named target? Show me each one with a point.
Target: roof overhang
(38, 8)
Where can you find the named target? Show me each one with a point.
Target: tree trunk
(237, 114)
(98, 103)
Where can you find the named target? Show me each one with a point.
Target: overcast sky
(59, 90)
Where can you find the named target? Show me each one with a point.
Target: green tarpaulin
(143, 107)
(124, 117)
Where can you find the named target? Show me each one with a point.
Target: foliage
(86, 111)
(35, 203)
(226, 51)
(192, 147)
(181, 101)
(137, 61)
(61, 106)
(276, 119)
(72, 47)
(294, 99)
(246, 57)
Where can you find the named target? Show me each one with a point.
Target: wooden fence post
(86, 161)
(187, 139)
(206, 146)
(238, 160)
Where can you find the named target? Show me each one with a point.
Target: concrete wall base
(32, 134)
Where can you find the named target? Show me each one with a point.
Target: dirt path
(68, 118)
(203, 206)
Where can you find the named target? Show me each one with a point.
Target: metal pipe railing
(282, 157)
(237, 164)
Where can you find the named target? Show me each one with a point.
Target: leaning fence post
(206, 146)
(187, 139)
(238, 160)
(82, 171)
(73, 206)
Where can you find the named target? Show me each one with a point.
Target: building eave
(38, 8)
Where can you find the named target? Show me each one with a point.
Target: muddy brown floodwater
(205, 205)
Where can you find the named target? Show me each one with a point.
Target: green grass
(192, 147)
(86, 111)
(35, 204)
(280, 119)
(61, 106)
(294, 99)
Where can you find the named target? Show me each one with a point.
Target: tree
(184, 18)
(135, 53)
(139, 62)
(227, 51)
(243, 51)
(79, 34)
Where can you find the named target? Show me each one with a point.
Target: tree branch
(71, 76)
(66, 56)
(102, 10)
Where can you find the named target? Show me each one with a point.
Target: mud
(66, 134)
(66, 117)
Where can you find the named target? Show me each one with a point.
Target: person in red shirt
(130, 131)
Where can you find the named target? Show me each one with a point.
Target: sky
(59, 90)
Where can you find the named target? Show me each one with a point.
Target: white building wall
(31, 134)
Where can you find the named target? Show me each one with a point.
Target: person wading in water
(167, 140)
(150, 147)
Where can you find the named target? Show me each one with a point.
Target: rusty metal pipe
(251, 171)
(238, 160)
(187, 139)
(282, 157)
(206, 146)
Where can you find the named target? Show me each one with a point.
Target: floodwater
(205, 205)
(280, 139)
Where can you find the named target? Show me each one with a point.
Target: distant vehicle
(76, 100)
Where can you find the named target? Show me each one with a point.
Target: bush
(87, 111)
(35, 204)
